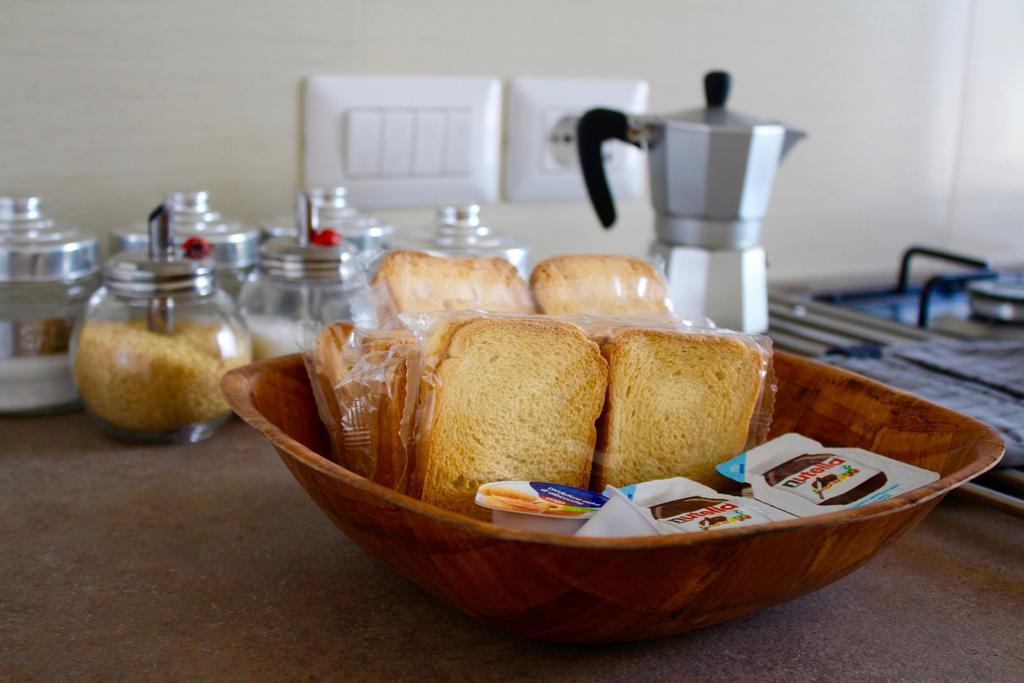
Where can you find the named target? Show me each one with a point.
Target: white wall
(987, 202)
(913, 107)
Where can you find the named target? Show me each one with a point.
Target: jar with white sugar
(47, 272)
(302, 278)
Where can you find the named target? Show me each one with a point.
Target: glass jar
(458, 231)
(200, 232)
(156, 340)
(297, 281)
(47, 272)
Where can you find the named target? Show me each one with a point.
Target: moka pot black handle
(594, 127)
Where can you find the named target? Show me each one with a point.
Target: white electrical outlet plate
(403, 141)
(540, 160)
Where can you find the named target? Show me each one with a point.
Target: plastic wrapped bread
(409, 282)
(361, 382)
(461, 399)
(435, 402)
(679, 401)
(504, 397)
(599, 284)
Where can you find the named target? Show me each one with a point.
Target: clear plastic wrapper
(504, 397)
(681, 398)
(360, 381)
(394, 283)
(324, 357)
(600, 284)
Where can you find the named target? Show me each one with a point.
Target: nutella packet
(803, 477)
(673, 506)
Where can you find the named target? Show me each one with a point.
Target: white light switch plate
(534, 168)
(403, 141)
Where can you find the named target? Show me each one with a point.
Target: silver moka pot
(711, 173)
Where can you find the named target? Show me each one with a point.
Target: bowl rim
(236, 384)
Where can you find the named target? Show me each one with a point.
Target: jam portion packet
(805, 478)
(538, 506)
(673, 506)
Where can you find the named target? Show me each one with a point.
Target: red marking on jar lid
(327, 238)
(196, 248)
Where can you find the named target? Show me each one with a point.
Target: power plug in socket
(562, 147)
(541, 161)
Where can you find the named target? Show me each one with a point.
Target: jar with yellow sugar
(155, 341)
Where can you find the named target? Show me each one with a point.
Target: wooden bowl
(563, 588)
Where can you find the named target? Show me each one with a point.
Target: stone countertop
(210, 562)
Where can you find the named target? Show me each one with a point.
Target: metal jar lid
(232, 244)
(297, 257)
(157, 272)
(458, 231)
(284, 258)
(34, 248)
(334, 211)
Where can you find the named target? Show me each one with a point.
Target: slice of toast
(505, 398)
(327, 366)
(329, 354)
(414, 282)
(678, 404)
(395, 357)
(598, 284)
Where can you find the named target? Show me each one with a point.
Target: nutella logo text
(703, 512)
(812, 472)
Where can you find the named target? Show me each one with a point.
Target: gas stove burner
(973, 302)
(999, 300)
